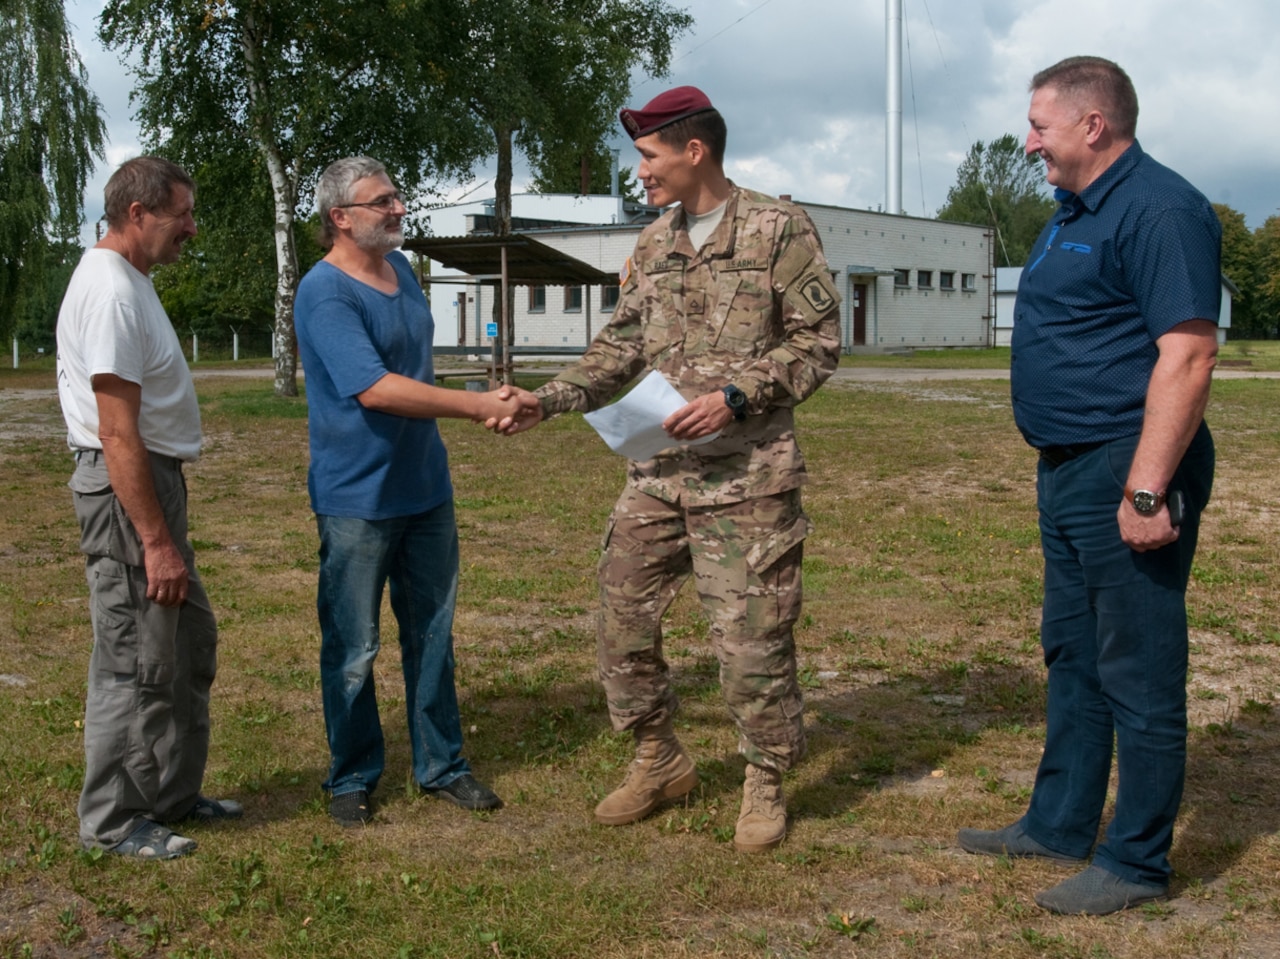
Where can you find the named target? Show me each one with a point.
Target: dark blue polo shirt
(1118, 266)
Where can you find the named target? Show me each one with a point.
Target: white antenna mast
(893, 109)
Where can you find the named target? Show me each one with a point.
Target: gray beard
(377, 240)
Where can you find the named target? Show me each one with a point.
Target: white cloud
(802, 86)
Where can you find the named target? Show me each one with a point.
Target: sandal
(154, 841)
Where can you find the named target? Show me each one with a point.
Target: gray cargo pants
(146, 721)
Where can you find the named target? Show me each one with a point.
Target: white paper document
(633, 425)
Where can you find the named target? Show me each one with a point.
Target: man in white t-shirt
(132, 421)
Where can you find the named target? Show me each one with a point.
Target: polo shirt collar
(1093, 195)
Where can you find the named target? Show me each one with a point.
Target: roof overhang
(529, 261)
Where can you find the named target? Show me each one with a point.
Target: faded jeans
(418, 556)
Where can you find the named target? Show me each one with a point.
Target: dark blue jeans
(418, 555)
(1114, 633)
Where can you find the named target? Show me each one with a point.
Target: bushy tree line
(1251, 260)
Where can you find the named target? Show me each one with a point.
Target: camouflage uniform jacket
(756, 307)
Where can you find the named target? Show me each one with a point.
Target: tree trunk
(283, 339)
(502, 227)
(502, 183)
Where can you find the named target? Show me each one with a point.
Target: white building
(1008, 277)
(906, 282)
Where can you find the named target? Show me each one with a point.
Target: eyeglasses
(383, 204)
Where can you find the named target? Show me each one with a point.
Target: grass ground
(1244, 354)
(919, 657)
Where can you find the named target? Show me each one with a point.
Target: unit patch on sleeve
(816, 290)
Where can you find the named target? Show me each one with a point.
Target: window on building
(901, 277)
(924, 279)
(609, 296)
(573, 299)
(968, 282)
(537, 299)
(947, 280)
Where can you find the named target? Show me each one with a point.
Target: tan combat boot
(662, 770)
(762, 824)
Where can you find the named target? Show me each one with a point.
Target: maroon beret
(664, 110)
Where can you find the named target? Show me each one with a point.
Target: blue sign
(491, 329)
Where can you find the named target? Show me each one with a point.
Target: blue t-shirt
(366, 464)
(1131, 257)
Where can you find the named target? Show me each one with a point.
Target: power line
(755, 9)
(764, 3)
(915, 113)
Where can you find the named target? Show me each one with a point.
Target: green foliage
(50, 131)
(549, 77)
(45, 281)
(1240, 265)
(1267, 310)
(999, 185)
(227, 277)
(267, 93)
(564, 167)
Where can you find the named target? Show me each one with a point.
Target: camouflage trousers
(745, 560)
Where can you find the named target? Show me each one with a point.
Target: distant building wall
(1008, 278)
(928, 281)
(905, 282)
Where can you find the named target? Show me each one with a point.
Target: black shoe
(467, 793)
(351, 809)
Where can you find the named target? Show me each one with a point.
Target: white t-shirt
(111, 321)
(701, 227)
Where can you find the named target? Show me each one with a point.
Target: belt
(93, 456)
(1055, 456)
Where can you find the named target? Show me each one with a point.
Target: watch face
(1145, 501)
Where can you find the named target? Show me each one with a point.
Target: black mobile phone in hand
(1177, 504)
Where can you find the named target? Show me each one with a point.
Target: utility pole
(893, 108)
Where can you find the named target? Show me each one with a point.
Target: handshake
(508, 410)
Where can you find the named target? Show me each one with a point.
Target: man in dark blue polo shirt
(1114, 343)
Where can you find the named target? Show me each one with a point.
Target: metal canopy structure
(527, 261)
(506, 261)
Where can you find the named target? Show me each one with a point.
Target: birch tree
(300, 83)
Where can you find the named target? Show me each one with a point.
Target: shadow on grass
(872, 737)
(1233, 778)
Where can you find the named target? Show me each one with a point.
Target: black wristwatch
(736, 400)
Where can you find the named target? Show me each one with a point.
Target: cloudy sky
(801, 84)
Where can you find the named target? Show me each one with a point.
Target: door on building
(859, 314)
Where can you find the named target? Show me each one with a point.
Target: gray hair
(1095, 83)
(334, 189)
(148, 180)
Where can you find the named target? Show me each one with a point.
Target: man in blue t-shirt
(379, 485)
(1114, 343)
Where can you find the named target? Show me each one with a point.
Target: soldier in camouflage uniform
(730, 298)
